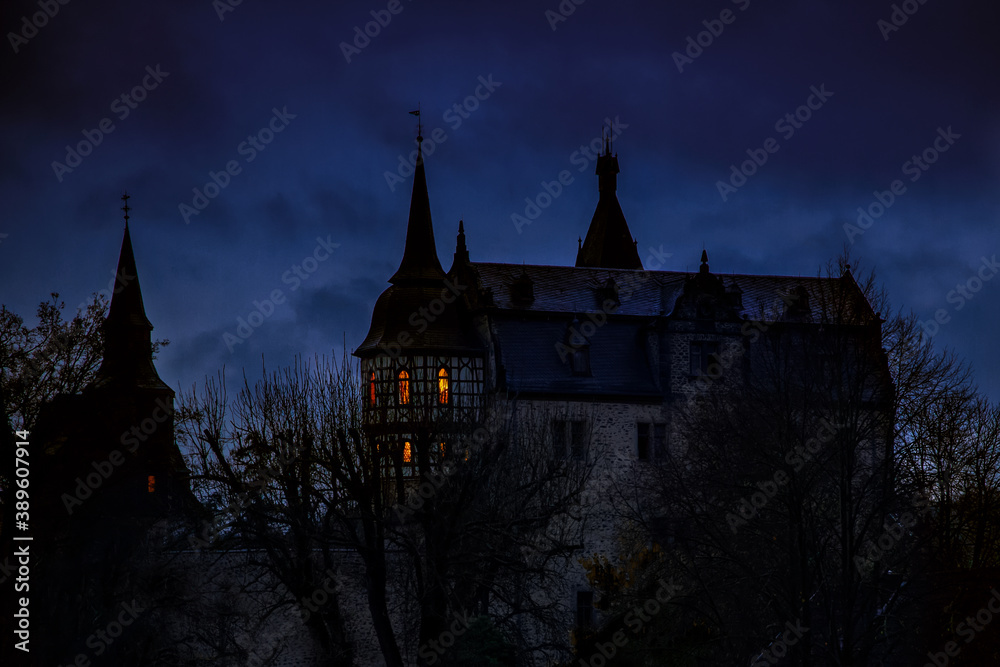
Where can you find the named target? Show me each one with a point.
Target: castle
(608, 352)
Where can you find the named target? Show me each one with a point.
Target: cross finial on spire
(125, 198)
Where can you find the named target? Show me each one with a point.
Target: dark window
(584, 610)
(651, 441)
(581, 360)
(703, 354)
(569, 440)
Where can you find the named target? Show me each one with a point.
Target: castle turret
(422, 360)
(609, 243)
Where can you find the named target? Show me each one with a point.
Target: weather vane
(419, 126)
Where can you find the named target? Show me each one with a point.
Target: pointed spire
(704, 262)
(128, 351)
(420, 260)
(461, 251)
(609, 243)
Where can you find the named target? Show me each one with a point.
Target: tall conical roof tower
(128, 349)
(418, 284)
(609, 243)
(420, 261)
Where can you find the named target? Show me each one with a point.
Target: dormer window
(404, 388)
(444, 388)
(522, 290)
(607, 296)
(797, 303)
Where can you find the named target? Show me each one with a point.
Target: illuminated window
(442, 450)
(407, 452)
(443, 394)
(404, 387)
(371, 389)
(151, 484)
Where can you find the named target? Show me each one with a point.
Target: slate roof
(527, 335)
(568, 289)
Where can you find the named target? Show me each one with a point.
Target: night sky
(313, 144)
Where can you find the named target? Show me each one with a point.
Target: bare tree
(450, 532)
(807, 520)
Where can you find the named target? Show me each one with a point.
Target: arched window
(371, 388)
(444, 386)
(404, 388)
(407, 452)
(151, 483)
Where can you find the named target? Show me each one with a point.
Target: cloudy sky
(265, 149)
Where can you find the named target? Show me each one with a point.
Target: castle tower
(110, 450)
(609, 243)
(422, 361)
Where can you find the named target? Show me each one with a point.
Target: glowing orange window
(443, 388)
(404, 387)
(407, 452)
(371, 389)
(151, 484)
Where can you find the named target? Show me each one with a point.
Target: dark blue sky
(207, 85)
